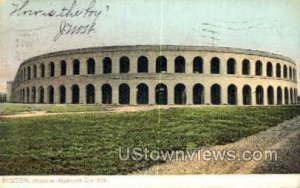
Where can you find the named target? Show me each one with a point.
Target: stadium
(154, 74)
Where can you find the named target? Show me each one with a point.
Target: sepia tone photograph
(158, 93)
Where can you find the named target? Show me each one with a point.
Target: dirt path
(119, 109)
(284, 139)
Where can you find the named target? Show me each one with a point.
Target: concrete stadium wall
(278, 84)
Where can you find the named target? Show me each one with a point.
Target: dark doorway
(198, 94)
(179, 94)
(124, 94)
(142, 94)
(161, 94)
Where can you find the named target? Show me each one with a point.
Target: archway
(124, 64)
(41, 94)
(259, 92)
(246, 67)
(124, 94)
(75, 94)
(258, 68)
(231, 66)
(198, 65)
(279, 95)
(142, 94)
(161, 64)
(63, 68)
(198, 94)
(107, 67)
(270, 95)
(286, 96)
(76, 67)
(33, 94)
(247, 99)
(50, 95)
(90, 66)
(142, 64)
(106, 94)
(90, 94)
(179, 94)
(215, 66)
(62, 94)
(161, 94)
(179, 64)
(215, 93)
(269, 69)
(232, 94)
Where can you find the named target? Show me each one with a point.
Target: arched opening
(33, 94)
(284, 71)
(106, 94)
(179, 94)
(291, 96)
(76, 67)
(27, 95)
(215, 66)
(42, 70)
(90, 66)
(62, 94)
(198, 94)
(269, 69)
(41, 94)
(198, 65)
(247, 100)
(179, 64)
(75, 94)
(142, 64)
(51, 69)
(231, 66)
(90, 94)
(270, 95)
(259, 92)
(232, 94)
(290, 73)
(286, 96)
(23, 95)
(161, 64)
(124, 64)
(279, 95)
(124, 94)
(215, 92)
(246, 67)
(161, 94)
(28, 73)
(278, 70)
(142, 94)
(258, 68)
(63, 68)
(50, 95)
(107, 67)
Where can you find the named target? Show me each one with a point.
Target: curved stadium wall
(164, 75)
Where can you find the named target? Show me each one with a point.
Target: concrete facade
(185, 75)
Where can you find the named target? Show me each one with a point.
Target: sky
(269, 25)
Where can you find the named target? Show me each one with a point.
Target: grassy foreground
(88, 143)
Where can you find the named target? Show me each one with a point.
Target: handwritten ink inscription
(65, 28)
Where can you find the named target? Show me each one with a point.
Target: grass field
(88, 143)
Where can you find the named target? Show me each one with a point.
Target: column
(132, 94)
(189, 94)
(133, 65)
(240, 96)
(69, 63)
(207, 99)
(170, 64)
(68, 95)
(56, 95)
(151, 94)
(224, 97)
(83, 66)
(82, 97)
(115, 94)
(98, 94)
(170, 93)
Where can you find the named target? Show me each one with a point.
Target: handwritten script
(65, 28)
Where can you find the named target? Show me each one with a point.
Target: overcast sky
(269, 25)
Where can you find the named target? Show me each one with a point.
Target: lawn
(88, 143)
